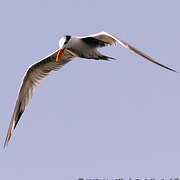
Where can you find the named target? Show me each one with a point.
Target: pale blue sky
(92, 119)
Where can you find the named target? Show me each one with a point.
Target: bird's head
(63, 42)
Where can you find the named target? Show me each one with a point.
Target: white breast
(81, 49)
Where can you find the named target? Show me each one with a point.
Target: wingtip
(175, 71)
(172, 70)
(8, 136)
(6, 141)
(5, 144)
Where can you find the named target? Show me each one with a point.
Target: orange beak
(59, 54)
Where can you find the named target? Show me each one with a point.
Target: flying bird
(69, 48)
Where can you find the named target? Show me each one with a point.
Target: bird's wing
(32, 78)
(98, 40)
(110, 39)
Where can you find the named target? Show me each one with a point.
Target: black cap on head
(67, 39)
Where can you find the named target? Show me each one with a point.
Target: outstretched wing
(98, 40)
(32, 78)
(110, 39)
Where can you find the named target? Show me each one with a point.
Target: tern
(69, 48)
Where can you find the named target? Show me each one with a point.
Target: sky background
(92, 119)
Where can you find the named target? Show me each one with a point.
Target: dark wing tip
(148, 57)
(126, 45)
(172, 70)
(7, 140)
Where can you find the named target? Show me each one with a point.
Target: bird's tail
(107, 58)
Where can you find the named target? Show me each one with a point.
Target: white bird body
(75, 45)
(70, 47)
(82, 49)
